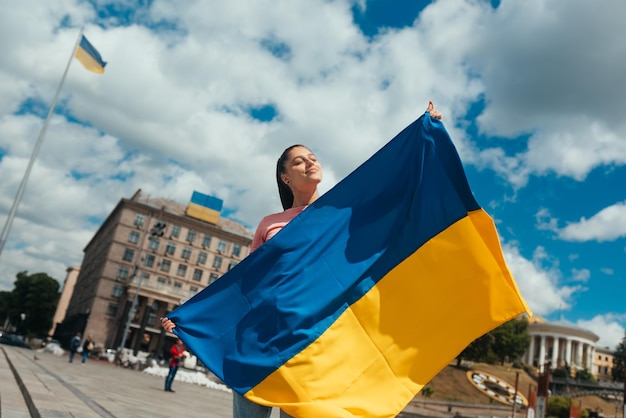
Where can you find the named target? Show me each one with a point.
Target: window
(178, 285)
(129, 253)
(165, 265)
(202, 257)
(217, 262)
(118, 290)
(213, 277)
(191, 236)
(139, 220)
(122, 273)
(182, 270)
(161, 280)
(170, 248)
(206, 241)
(149, 260)
(112, 309)
(154, 244)
(186, 253)
(197, 275)
(175, 231)
(145, 276)
(133, 237)
(237, 250)
(232, 264)
(151, 319)
(193, 289)
(221, 247)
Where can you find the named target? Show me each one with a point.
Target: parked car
(12, 339)
(50, 341)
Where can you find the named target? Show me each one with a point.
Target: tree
(5, 298)
(619, 361)
(511, 340)
(478, 350)
(36, 297)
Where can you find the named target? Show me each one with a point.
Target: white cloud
(170, 113)
(539, 285)
(608, 327)
(580, 275)
(607, 225)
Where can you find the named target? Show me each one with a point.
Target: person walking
(74, 344)
(88, 347)
(177, 353)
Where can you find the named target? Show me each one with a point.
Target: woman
(297, 175)
(88, 346)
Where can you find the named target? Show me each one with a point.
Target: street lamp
(22, 318)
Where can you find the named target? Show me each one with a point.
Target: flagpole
(42, 133)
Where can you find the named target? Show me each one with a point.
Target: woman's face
(302, 169)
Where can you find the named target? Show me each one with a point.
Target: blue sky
(204, 95)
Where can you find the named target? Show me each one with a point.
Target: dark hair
(285, 193)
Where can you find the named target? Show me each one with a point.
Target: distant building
(603, 364)
(150, 250)
(64, 299)
(560, 344)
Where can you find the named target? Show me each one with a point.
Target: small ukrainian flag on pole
(89, 56)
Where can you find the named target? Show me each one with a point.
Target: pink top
(271, 224)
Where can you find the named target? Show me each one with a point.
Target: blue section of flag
(207, 201)
(289, 291)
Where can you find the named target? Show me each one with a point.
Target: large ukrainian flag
(366, 295)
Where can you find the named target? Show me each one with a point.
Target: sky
(205, 95)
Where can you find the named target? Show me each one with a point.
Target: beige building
(130, 271)
(563, 344)
(64, 299)
(603, 364)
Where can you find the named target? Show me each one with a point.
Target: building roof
(176, 208)
(540, 325)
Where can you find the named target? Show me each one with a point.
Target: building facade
(146, 259)
(64, 299)
(603, 364)
(560, 345)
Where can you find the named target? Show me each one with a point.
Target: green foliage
(427, 391)
(560, 373)
(508, 341)
(36, 296)
(619, 361)
(511, 340)
(559, 406)
(585, 375)
(479, 349)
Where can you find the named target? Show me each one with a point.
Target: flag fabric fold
(366, 295)
(87, 55)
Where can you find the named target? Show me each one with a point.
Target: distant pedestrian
(74, 344)
(88, 347)
(177, 353)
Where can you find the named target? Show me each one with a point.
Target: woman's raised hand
(167, 324)
(434, 113)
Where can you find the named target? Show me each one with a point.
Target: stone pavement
(41, 384)
(56, 388)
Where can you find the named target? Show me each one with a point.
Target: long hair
(285, 193)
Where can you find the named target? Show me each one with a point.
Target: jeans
(72, 352)
(170, 377)
(244, 408)
(85, 355)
